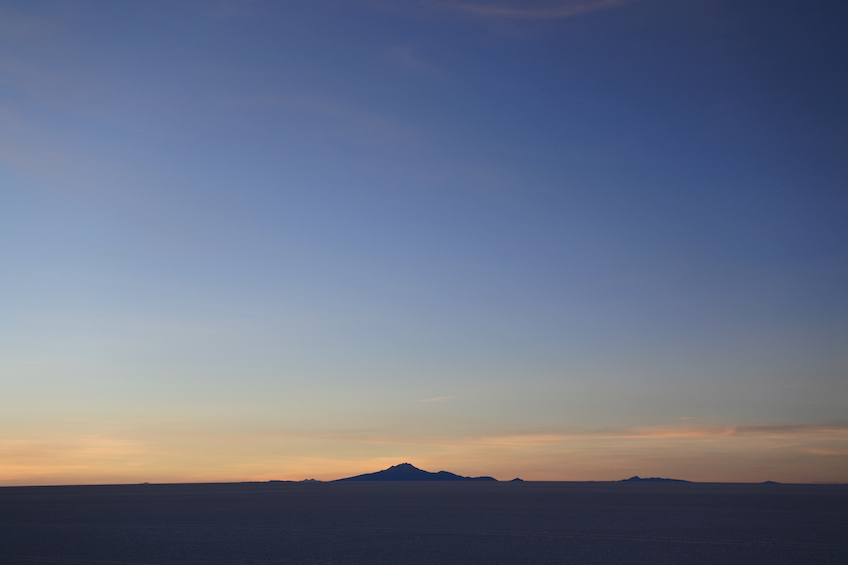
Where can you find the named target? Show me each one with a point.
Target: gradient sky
(560, 240)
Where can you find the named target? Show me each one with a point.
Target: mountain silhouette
(407, 472)
(652, 480)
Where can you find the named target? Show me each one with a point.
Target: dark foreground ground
(426, 523)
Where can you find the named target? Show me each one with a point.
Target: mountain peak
(652, 480)
(409, 472)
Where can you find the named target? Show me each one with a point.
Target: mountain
(407, 472)
(653, 480)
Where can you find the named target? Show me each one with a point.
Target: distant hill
(407, 472)
(653, 480)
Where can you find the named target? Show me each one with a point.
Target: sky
(549, 239)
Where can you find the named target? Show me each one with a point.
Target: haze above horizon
(555, 240)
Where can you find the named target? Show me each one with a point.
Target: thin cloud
(671, 432)
(722, 431)
(544, 11)
(404, 56)
(837, 452)
(550, 436)
(437, 399)
(790, 429)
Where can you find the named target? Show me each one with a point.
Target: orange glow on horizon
(706, 453)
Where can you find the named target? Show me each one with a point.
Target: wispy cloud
(790, 429)
(405, 56)
(437, 399)
(362, 128)
(549, 436)
(539, 11)
(188, 450)
(677, 432)
(817, 451)
(497, 10)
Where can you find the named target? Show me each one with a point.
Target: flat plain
(428, 523)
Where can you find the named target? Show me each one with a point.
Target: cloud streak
(707, 433)
(176, 451)
(544, 11)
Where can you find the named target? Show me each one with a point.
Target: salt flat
(426, 523)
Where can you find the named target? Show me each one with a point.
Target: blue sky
(564, 240)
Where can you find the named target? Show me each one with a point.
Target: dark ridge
(653, 480)
(516, 479)
(407, 472)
